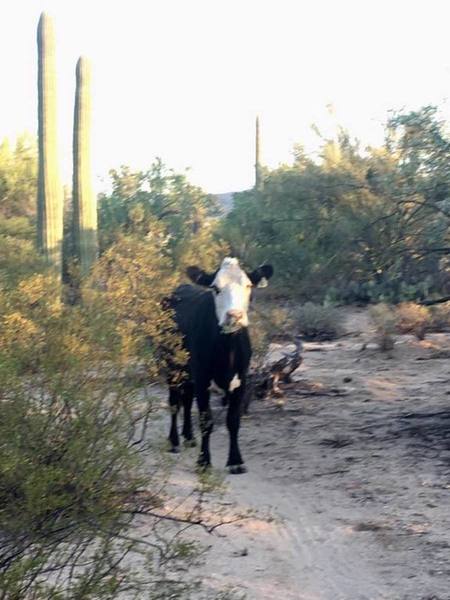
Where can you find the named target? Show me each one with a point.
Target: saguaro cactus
(50, 199)
(84, 201)
(258, 175)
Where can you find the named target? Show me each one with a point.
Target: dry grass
(440, 317)
(316, 322)
(407, 317)
(269, 323)
(384, 319)
(412, 318)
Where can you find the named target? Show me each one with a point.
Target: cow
(212, 317)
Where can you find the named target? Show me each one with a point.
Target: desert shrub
(412, 318)
(260, 334)
(18, 258)
(339, 228)
(440, 317)
(316, 322)
(74, 420)
(384, 319)
(269, 323)
(129, 283)
(281, 320)
(385, 290)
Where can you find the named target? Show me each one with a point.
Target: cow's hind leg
(206, 425)
(188, 397)
(235, 463)
(174, 403)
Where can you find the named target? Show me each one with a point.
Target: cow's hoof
(237, 469)
(203, 467)
(203, 464)
(190, 443)
(174, 449)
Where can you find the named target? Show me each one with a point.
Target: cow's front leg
(188, 396)
(174, 403)
(235, 463)
(206, 425)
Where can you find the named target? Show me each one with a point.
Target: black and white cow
(212, 316)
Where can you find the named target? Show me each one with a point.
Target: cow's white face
(232, 288)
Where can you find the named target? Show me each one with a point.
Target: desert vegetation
(84, 332)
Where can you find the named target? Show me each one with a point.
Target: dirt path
(351, 493)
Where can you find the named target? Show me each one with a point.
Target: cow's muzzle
(234, 320)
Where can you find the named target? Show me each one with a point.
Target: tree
(420, 142)
(355, 225)
(163, 205)
(18, 179)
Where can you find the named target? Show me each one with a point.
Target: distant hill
(225, 201)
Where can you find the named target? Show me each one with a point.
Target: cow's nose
(235, 314)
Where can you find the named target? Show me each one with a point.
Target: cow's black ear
(199, 276)
(261, 275)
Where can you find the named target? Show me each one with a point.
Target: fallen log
(277, 366)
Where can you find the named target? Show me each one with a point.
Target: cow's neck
(231, 357)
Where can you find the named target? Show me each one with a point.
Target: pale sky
(184, 79)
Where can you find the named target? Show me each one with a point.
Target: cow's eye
(215, 289)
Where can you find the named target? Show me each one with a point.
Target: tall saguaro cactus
(258, 175)
(50, 198)
(84, 201)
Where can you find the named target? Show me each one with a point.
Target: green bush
(269, 323)
(354, 226)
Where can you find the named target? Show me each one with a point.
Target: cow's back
(196, 319)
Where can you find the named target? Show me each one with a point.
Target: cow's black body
(213, 356)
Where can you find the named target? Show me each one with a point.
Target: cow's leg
(174, 403)
(235, 463)
(188, 397)
(206, 424)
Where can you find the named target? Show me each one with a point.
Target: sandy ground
(350, 493)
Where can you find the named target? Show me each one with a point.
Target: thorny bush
(74, 417)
